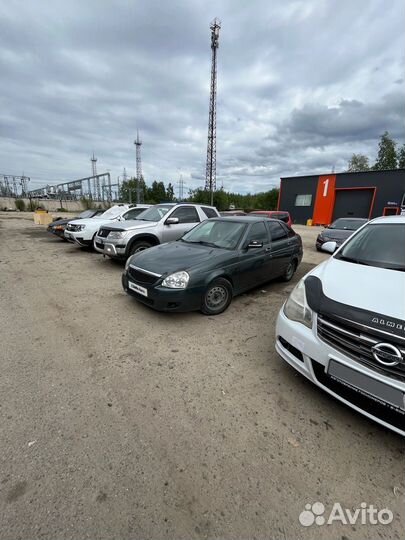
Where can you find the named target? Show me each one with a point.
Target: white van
(343, 326)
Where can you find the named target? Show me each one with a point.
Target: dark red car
(275, 214)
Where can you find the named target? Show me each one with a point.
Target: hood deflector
(319, 302)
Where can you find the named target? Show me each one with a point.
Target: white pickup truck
(83, 231)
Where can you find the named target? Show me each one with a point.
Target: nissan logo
(387, 354)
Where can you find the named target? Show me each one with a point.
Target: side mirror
(172, 221)
(329, 247)
(255, 244)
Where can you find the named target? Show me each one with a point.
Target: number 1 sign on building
(325, 200)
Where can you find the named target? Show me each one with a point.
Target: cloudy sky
(302, 84)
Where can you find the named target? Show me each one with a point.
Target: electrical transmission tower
(97, 190)
(211, 167)
(138, 144)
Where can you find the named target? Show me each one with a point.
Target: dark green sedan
(217, 260)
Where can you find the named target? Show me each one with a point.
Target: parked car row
(343, 325)
(185, 257)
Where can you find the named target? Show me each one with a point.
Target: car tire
(290, 270)
(217, 297)
(136, 247)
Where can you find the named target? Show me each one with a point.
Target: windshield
(381, 245)
(113, 212)
(86, 214)
(221, 234)
(155, 213)
(348, 224)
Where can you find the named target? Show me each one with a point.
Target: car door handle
(268, 249)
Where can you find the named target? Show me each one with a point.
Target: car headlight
(80, 227)
(127, 263)
(178, 280)
(296, 307)
(116, 235)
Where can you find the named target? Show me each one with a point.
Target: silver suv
(159, 224)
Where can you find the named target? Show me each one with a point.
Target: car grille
(356, 341)
(142, 277)
(99, 245)
(103, 233)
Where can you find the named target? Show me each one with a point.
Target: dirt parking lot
(118, 422)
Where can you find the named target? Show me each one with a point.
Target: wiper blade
(203, 243)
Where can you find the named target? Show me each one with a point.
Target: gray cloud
(302, 85)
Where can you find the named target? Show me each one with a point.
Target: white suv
(343, 326)
(83, 231)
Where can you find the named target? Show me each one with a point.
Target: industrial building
(327, 197)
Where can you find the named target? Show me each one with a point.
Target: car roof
(352, 218)
(244, 219)
(269, 212)
(389, 219)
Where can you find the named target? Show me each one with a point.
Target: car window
(186, 214)
(133, 213)
(209, 212)
(283, 216)
(221, 234)
(277, 231)
(258, 233)
(379, 244)
(112, 212)
(86, 214)
(348, 224)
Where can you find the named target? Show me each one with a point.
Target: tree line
(223, 200)
(389, 156)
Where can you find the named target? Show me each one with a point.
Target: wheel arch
(148, 237)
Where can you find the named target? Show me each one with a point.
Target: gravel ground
(118, 422)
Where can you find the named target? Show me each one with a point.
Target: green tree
(387, 154)
(170, 192)
(128, 191)
(401, 157)
(358, 162)
(266, 200)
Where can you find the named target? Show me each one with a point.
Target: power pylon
(138, 144)
(97, 190)
(211, 166)
(181, 188)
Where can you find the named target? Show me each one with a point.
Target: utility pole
(211, 166)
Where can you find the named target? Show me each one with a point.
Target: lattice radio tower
(138, 144)
(211, 167)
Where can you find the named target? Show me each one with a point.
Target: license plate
(377, 390)
(137, 288)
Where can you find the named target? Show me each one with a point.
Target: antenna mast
(211, 167)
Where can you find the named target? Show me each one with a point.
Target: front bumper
(164, 299)
(114, 250)
(76, 237)
(305, 352)
(57, 232)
